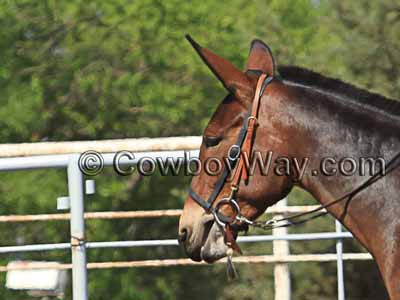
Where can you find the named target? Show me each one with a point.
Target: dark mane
(335, 86)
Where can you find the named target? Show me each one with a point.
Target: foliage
(73, 70)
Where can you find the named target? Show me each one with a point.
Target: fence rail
(188, 262)
(77, 216)
(174, 242)
(134, 214)
(104, 146)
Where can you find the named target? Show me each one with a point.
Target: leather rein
(243, 146)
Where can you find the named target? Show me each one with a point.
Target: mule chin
(214, 247)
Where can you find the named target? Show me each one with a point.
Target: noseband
(242, 146)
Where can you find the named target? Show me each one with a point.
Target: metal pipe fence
(174, 242)
(79, 245)
(258, 259)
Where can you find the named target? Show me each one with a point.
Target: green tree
(73, 70)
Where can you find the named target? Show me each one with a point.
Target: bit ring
(235, 207)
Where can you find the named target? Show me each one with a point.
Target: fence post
(77, 227)
(281, 270)
(340, 272)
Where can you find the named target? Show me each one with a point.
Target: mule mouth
(194, 253)
(207, 228)
(195, 256)
(208, 258)
(214, 247)
(208, 243)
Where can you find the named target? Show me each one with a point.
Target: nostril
(182, 236)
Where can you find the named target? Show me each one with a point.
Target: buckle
(234, 189)
(234, 152)
(252, 118)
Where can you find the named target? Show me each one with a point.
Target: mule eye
(211, 141)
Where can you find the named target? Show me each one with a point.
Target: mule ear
(233, 79)
(260, 58)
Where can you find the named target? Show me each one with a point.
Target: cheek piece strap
(237, 151)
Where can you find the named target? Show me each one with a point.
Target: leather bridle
(243, 146)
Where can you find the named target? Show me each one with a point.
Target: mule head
(201, 237)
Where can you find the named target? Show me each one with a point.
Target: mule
(301, 114)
